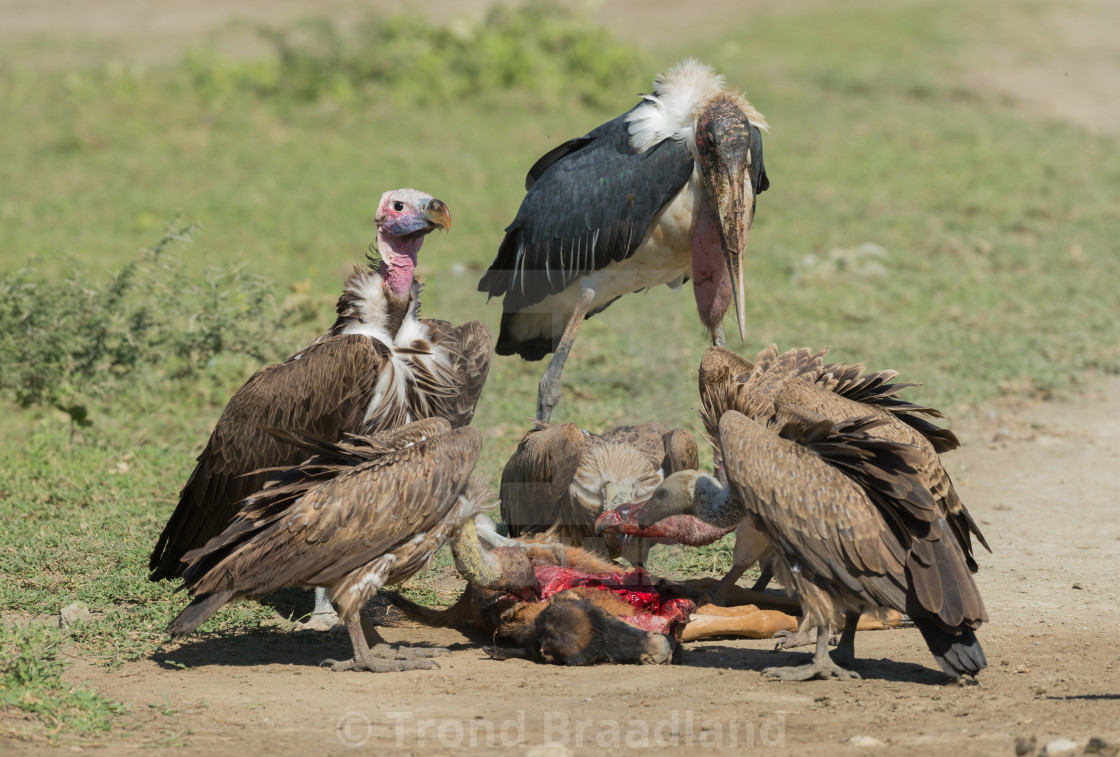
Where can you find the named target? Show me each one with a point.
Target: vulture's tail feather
(956, 653)
(197, 612)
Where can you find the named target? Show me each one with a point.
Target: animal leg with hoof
(548, 391)
(323, 617)
(822, 665)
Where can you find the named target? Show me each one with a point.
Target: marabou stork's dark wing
(535, 480)
(336, 529)
(324, 390)
(590, 202)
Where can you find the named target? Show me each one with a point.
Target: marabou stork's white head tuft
(721, 130)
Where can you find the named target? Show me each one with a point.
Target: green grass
(999, 279)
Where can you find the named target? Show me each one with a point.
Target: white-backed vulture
(853, 526)
(562, 477)
(799, 380)
(358, 514)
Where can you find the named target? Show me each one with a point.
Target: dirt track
(1041, 479)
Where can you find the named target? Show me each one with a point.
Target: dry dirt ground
(1039, 477)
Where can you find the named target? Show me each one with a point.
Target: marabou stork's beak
(725, 145)
(437, 214)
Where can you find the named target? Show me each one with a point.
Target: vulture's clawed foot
(818, 668)
(386, 658)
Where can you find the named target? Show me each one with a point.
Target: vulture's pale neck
(714, 503)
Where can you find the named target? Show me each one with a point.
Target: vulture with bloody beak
(852, 525)
(662, 194)
(378, 367)
(562, 477)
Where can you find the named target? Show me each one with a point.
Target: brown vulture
(853, 526)
(661, 194)
(379, 366)
(562, 477)
(356, 515)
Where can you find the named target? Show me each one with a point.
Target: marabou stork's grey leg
(323, 617)
(764, 577)
(548, 391)
(718, 338)
(822, 665)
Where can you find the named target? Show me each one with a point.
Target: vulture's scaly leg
(846, 650)
(548, 391)
(381, 658)
(822, 665)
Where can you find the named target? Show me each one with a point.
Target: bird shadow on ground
(276, 646)
(736, 658)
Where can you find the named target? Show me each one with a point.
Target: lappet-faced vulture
(662, 194)
(379, 366)
(358, 514)
(562, 477)
(853, 527)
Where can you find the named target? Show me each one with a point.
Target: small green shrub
(540, 47)
(72, 339)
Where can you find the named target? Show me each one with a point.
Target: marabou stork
(853, 527)
(358, 514)
(562, 477)
(663, 193)
(379, 366)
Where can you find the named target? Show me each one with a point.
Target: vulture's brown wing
(340, 526)
(324, 390)
(681, 452)
(470, 346)
(876, 389)
(647, 438)
(813, 514)
(836, 407)
(536, 478)
(728, 382)
(718, 369)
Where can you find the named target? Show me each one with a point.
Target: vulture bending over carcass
(853, 526)
(561, 478)
(662, 194)
(798, 380)
(358, 514)
(379, 366)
